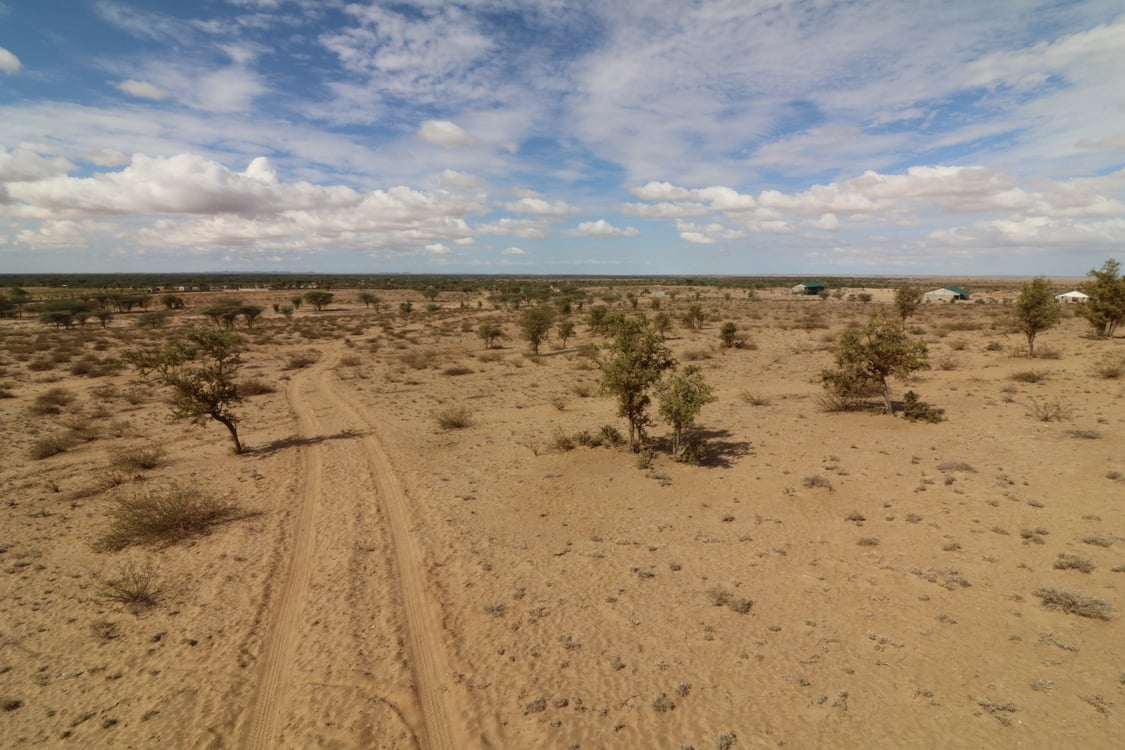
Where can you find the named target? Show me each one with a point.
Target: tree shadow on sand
(296, 441)
(716, 448)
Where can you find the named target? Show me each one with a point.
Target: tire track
(284, 633)
(433, 676)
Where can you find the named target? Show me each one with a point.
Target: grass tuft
(164, 517)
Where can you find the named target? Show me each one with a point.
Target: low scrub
(135, 587)
(255, 387)
(1074, 603)
(454, 418)
(51, 445)
(1029, 376)
(136, 459)
(1049, 411)
(164, 517)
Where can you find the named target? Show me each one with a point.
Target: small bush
(1049, 411)
(720, 597)
(136, 459)
(1074, 603)
(52, 401)
(301, 360)
(454, 418)
(1111, 368)
(916, 410)
(136, 588)
(754, 399)
(816, 480)
(164, 517)
(51, 445)
(1085, 434)
(255, 387)
(1029, 376)
(455, 370)
(1067, 561)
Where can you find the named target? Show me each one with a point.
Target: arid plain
(391, 578)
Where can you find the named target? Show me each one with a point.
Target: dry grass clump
(455, 370)
(817, 480)
(454, 418)
(1067, 561)
(301, 360)
(255, 387)
(418, 360)
(947, 577)
(51, 445)
(1111, 368)
(956, 466)
(52, 401)
(1029, 376)
(1049, 411)
(164, 517)
(136, 588)
(1098, 540)
(137, 458)
(1074, 603)
(1084, 434)
(720, 597)
(754, 399)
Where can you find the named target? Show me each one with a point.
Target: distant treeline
(469, 283)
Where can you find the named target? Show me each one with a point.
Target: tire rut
(290, 667)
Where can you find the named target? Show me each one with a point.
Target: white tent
(940, 295)
(1072, 297)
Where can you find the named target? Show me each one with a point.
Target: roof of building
(814, 285)
(958, 290)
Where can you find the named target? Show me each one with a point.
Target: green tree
(727, 334)
(1105, 310)
(693, 317)
(201, 370)
(633, 364)
(489, 333)
(224, 311)
(872, 354)
(405, 308)
(1036, 311)
(564, 330)
(662, 323)
(535, 324)
(369, 300)
(907, 300)
(172, 302)
(296, 301)
(682, 397)
(318, 299)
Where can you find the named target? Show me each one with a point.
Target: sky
(562, 136)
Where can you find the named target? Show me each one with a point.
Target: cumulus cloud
(26, 165)
(9, 63)
(438, 248)
(445, 134)
(602, 229)
(451, 178)
(515, 251)
(141, 89)
(541, 207)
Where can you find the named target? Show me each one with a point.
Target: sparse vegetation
(1074, 603)
(163, 517)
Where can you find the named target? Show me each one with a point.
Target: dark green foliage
(872, 354)
(907, 300)
(535, 323)
(917, 410)
(1036, 311)
(633, 364)
(1105, 310)
(728, 334)
(319, 299)
(682, 397)
(490, 333)
(201, 371)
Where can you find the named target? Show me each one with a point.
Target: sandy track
(302, 652)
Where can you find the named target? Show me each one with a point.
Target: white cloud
(25, 164)
(141, 89)
(541, 207)
(525, 229)
(515, 251)
(601, 229)
(445, 134)
(9, 63)
(438, 248)
(706, 234)
(451, 178)
(665, 210)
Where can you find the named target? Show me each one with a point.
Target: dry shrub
(301, 360)
(80, 427)
(51, 445)
(1111, 368)
(52, 401)
(164, 517)
(136, 459)
(720, 597)
(1029, 376)
(1067, 561)
(454, 370)
(255, 387)
(454, 418)
(1049, 411)
(1074, 603)
(418, 360)
(136, 588)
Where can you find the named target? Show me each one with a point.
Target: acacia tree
(368, 299)
(200, 370)
(634, 362)
(1036, 311)
(489, 333)
(319, 299)
(682, 397)
(872, 354)
(1105, 310)
(535, 323)
(907, 300)
(565, 330)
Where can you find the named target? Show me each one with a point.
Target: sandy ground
(823, 580)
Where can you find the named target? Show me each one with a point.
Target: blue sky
(562, 136)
